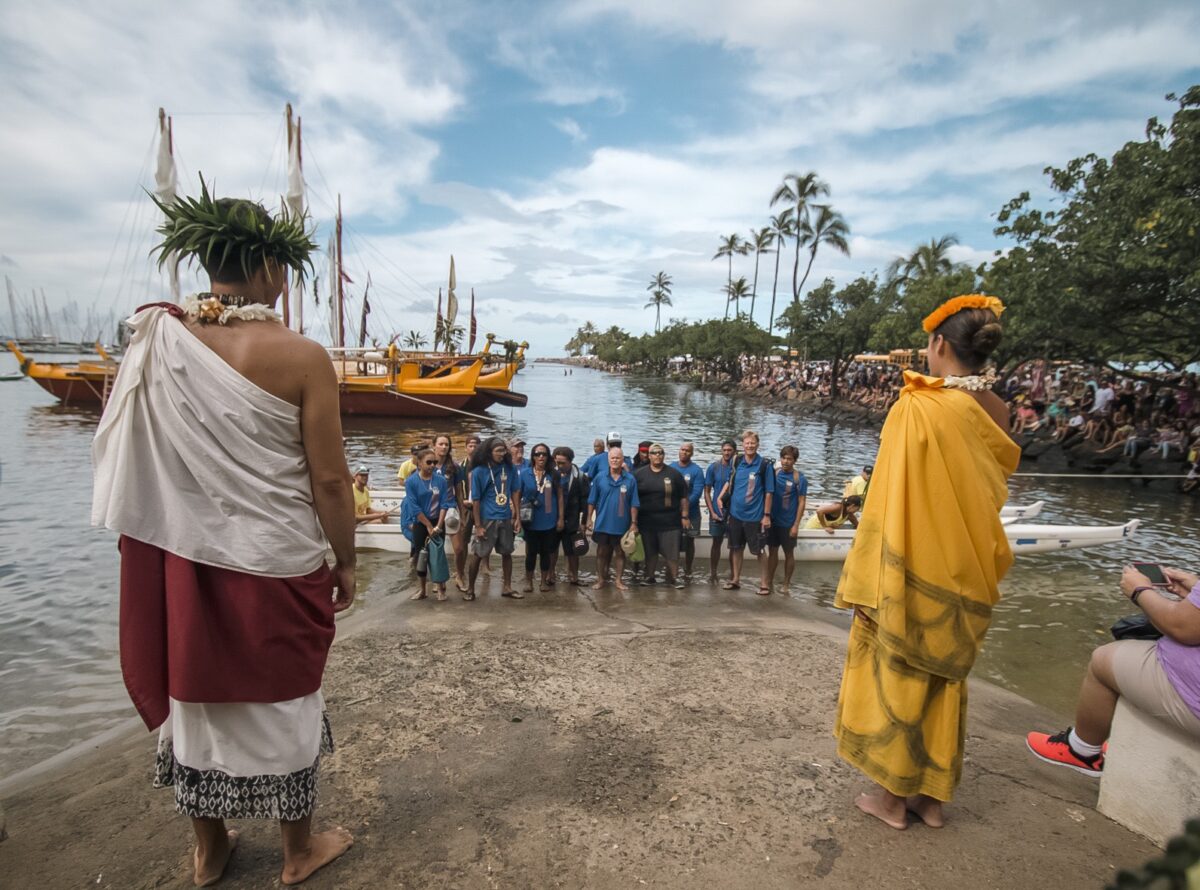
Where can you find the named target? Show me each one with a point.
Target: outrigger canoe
(812, 545)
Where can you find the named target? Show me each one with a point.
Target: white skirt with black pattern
(244, 760)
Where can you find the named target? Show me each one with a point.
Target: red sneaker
(1055, 749)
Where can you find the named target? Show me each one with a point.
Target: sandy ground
(670, 739)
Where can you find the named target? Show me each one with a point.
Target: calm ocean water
(59, 677)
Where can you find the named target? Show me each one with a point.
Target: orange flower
(958, 304)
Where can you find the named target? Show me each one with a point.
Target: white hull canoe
(812, 545)
(1027, 511)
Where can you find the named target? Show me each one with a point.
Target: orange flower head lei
(958, 304)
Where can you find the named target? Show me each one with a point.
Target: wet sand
(662, 738)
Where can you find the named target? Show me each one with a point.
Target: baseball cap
(362, 471)
(515, 442)
(613, 437)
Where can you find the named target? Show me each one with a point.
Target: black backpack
(727, 498)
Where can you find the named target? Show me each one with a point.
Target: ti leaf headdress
(217, 231)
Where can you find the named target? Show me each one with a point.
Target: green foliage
(1113, 275)
(216, 231)
(1177, 869)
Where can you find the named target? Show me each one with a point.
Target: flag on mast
(471, 346)
(165, 182)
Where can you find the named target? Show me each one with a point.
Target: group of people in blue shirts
(623, 504)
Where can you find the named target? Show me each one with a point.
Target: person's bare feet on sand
(885, 807)
(210, 870)
(599, 585)
(927, 809)
(323, 849)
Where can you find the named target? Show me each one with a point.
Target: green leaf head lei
(232, 237)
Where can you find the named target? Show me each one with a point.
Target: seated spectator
(1026, 419)
(1161, 678)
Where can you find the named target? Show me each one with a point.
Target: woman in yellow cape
(923, 573)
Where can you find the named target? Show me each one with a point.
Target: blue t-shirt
(789, 488)
(485, 481)
(715, 477)
(751, 483)
(428, 498)
(545, 501)
(613, 499)
(694, 477)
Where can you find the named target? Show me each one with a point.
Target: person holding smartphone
(1159, 677)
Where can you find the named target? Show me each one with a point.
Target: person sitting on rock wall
(1160, 678)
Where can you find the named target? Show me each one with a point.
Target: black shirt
(662, 495)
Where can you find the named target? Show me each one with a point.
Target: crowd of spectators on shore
(1069, 404)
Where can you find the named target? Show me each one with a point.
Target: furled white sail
(295, 204)
(165, 182)
(451, 300)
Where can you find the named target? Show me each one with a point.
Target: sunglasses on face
(538, 454)
(430, 463)
(656, 451)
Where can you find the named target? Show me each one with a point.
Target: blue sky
(563, 152)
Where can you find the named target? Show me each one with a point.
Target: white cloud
(571, 128)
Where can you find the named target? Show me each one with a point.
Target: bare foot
(419, 595)
(599, 585)
(885, 808)
(927, 809)
(323, 849)
(621, 586)
(212, 868)
(528, 588)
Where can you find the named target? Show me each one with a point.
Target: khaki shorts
(498, 535)
(1143, 682)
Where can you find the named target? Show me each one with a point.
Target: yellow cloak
(923, 573)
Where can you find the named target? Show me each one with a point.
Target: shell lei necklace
(208, 308)
(972, 382)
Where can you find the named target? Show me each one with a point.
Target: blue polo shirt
(613, 499)
(595, 465)
(789, 488)
(428, 498)
(751, 483)
(715, 477)
(694, 477)
(484, 482)
(545, 501)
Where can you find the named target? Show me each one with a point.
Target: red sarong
(197, 633)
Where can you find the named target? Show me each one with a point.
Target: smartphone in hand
(1154, 572)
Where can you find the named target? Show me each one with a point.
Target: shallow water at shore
(59, 674)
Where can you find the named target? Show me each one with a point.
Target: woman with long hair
(495, 506)
(456, 474)
(922, 575)
(544, 496)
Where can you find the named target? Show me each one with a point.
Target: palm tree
(452, 335)
(729, 246)
(415, 340)
(782, 229)
(660, 295)
(798, 191)
(761, 241)
(926, 261)
(827, 228)
(734, 291)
